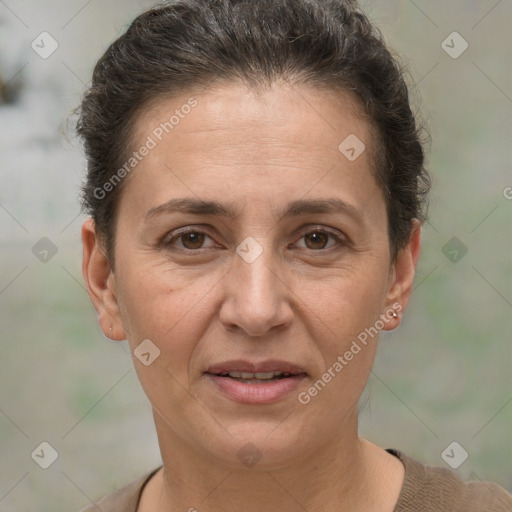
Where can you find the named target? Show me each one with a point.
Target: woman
(256, 190)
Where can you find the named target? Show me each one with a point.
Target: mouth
(257, 383)
(255, 378)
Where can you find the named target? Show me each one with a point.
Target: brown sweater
(425, 489)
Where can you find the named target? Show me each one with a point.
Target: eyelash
(167, 243)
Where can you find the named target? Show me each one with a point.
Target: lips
(259, 376)
(257, 383)
(248, 367)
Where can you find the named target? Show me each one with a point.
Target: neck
(347, 473)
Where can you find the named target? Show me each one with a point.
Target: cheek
(341, 316)
(170, 307)
(340, 327)
(173, 311)
(347, 300)
(154, 296)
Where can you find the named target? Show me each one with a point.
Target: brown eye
(318, 239)
(188, 241)
(192, 240)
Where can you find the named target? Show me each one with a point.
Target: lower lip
(258, 393)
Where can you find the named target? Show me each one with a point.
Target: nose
(257, 298)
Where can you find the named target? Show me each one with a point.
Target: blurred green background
(443, 376)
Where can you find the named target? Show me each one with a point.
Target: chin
(256, 445)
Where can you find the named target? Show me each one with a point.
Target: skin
(298, 301)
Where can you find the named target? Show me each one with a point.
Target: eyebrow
(231, 211)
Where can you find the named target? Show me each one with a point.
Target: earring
(395, 315)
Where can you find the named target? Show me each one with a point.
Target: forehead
(220, 139)
(302, 115)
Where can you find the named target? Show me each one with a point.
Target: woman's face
(249, 240)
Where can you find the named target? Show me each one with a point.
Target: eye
(318, 239)
(193, 240)
(189, 240)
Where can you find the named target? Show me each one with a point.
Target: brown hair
(187, 44)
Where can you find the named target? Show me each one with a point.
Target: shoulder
(125, 499)
(430, 488)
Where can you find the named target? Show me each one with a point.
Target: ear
(402, 277)
(100, 283)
